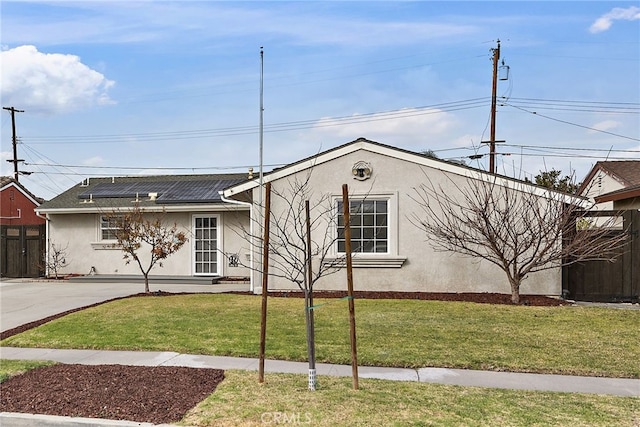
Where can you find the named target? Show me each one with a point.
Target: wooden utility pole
(15, 160)
(492, 142)
(352, 312)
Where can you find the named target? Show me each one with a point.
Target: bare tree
(291, 249)
(136, 231)
(56, 260)
(507, 224)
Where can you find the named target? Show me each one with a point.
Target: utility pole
(15, 160)
(492, 142)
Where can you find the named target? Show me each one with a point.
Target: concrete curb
(15, 419)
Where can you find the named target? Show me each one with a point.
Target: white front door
(205, 245)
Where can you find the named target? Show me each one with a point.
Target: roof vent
(250, 173)
(153, 196)
(85, 182)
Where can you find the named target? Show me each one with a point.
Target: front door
(205, 245)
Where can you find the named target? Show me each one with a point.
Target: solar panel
(195, 191)
(125, 189)
(173, 191)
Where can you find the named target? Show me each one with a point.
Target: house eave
(217, 207)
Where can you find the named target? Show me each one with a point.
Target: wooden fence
(605, 281)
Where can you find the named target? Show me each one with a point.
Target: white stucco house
(215, 209)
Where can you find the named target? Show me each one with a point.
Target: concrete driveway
(26, 300)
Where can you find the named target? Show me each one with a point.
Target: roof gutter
(250, 206)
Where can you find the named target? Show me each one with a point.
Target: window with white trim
(109, 226)
(369, 226)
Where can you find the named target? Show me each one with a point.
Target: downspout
(47, 220)
(250, 206)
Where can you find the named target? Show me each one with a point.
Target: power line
(277, 127)
(572, 124)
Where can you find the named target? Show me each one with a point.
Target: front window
(109, 226)
(369, 226)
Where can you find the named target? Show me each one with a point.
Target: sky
(114, 88)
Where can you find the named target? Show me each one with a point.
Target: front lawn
(402, 333)
(283, 399)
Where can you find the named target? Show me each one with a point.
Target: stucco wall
(79, 233)
(601, 183)
(424, 269)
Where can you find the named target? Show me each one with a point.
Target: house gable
(397, 153)
(622, 174)
(18, 204)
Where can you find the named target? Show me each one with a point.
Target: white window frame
(354, 228)
(389, 259)
(102, 219)
(217, 251)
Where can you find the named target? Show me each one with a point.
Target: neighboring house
(22, 231)
(613, 185)
(381, 180)
(624, 199)
(79, 220)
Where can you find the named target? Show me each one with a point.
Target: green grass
(241, 401)
(11, 368)
(283, 399)
(403, 333)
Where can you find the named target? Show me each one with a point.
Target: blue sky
(154, 87)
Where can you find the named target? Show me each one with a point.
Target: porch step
(111, 278)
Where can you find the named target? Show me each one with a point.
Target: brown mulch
(159, 394)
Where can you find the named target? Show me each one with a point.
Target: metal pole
(261, 176)
(311, 340)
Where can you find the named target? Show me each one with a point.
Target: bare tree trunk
(515, 291)
(146, 283)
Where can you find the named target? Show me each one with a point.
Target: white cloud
(408, 125)
(93, 161)
(50, 83)
(604, 126)
(605, 21)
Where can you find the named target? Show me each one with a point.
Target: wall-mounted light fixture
(361, 170)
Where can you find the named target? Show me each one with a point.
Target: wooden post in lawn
(352, 310)
(265, 281)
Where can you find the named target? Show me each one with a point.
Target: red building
(22, 241)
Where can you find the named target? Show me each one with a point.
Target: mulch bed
(159, 394)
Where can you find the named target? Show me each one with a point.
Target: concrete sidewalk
(462, 377)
